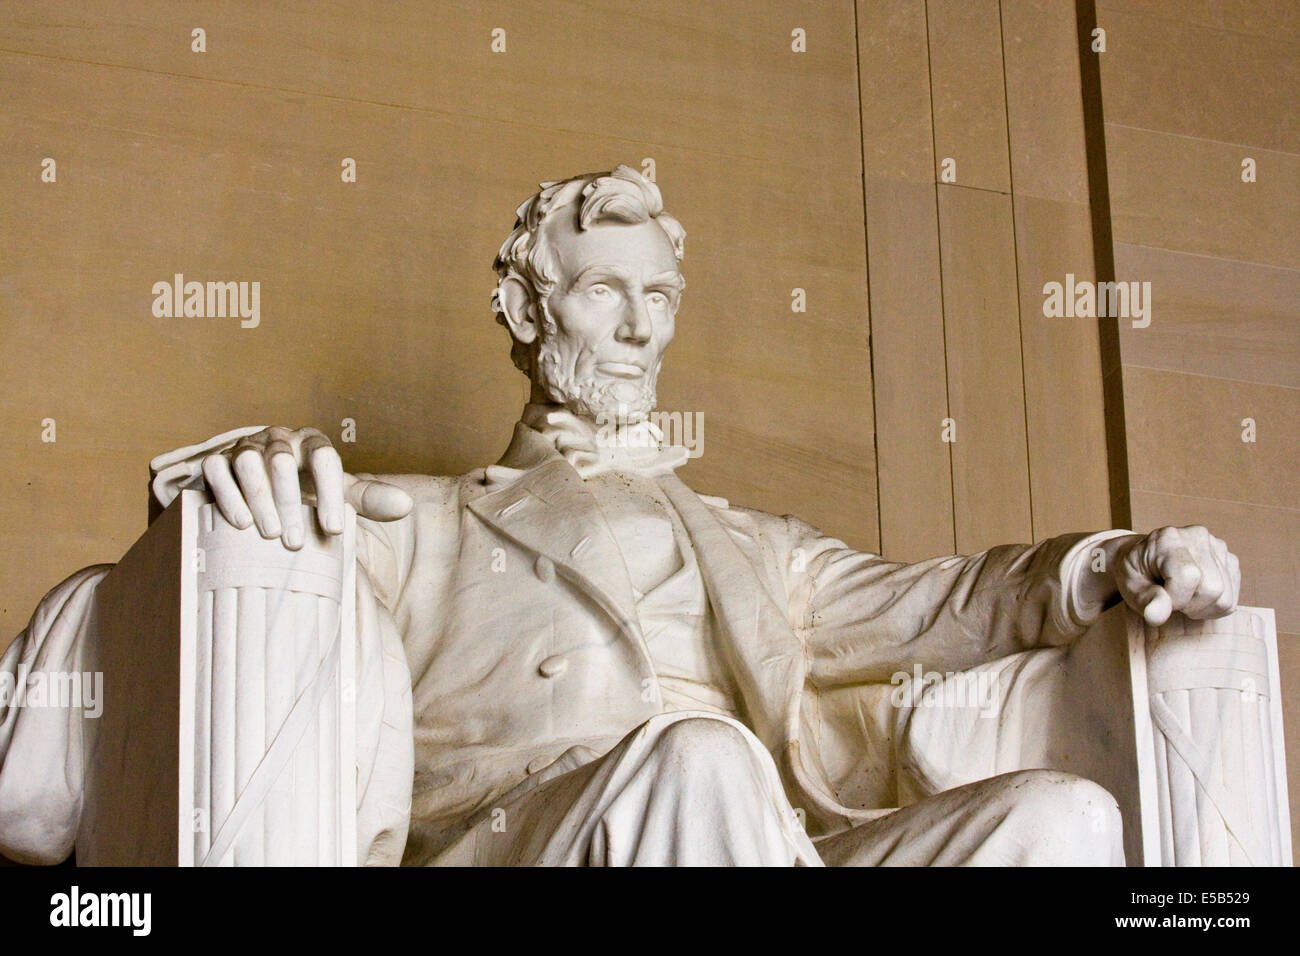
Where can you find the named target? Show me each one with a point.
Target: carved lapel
(549, 511)
(760, 645)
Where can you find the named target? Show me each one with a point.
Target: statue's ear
(516, 300)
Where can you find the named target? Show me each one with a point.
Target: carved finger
(250, 469)
(1226, 602)
(277, 440)
(327, 476)
(309, 439)
(225, 491)
(1224, 559)
(1180, 575)
(283, 467)
(377, 500)
(1208, 593)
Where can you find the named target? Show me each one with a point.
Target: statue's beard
(593, 398)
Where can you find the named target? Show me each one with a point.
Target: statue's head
(588, 287)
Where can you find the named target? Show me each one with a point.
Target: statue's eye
(600, 291)
(659, 300)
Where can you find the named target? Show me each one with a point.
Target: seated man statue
(570, 657)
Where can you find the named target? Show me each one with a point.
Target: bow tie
(594, 449)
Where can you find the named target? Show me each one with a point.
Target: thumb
(1156, 604)
(1140, 589)
(377, 500)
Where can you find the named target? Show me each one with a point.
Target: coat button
(539, 763)
(553, 666)
(545, 568)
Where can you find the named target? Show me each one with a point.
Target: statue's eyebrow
(673, 279)
(670, 280)
(600, 269)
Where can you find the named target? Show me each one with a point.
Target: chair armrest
(228, 733)
(1182, 724)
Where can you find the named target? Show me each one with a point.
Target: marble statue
(570, 657)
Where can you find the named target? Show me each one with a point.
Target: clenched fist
(1174, 569)
(259, 481)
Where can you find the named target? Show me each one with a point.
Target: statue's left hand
(1177, 569)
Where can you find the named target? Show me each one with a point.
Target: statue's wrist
(1100, 588)
(1089, 574)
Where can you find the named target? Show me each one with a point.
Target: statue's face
(613, 309)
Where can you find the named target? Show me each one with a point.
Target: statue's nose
(637, 325)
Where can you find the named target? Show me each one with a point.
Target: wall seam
(866, 265)
(1015, 252)
(943, 302)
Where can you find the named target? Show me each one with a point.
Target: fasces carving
(1216, 742)
(272, 667)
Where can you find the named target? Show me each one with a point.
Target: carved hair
(621, 195)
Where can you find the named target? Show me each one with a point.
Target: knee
(1055, 791)
(698, 743)
(1075, 821)
(702, 796)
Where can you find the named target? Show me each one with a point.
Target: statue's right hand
(259, 481)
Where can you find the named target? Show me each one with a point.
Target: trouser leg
(679, 791)
(1027, 818)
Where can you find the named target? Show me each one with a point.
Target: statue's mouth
(621, 369)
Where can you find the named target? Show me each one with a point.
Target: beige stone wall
(957, 264)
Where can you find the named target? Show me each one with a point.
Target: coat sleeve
(41, 746)
(864, 619)
(385, 744)
(385, 748)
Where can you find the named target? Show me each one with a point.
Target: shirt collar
(546, 431)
